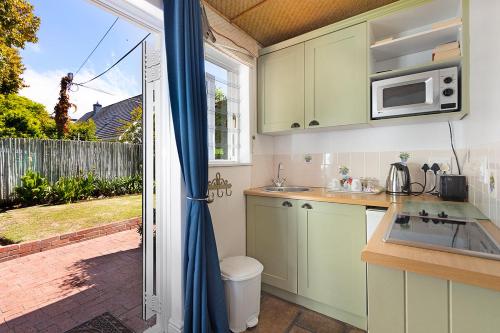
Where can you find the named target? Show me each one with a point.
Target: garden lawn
(39, 222)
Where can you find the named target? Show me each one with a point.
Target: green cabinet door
(474, 309)
(281, 90)
(331, 237)
(272, 239)
(336, 78)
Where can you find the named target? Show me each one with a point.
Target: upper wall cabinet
(322, 79)
(281, 90)
(335, 78)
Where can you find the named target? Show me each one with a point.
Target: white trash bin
(241, 276)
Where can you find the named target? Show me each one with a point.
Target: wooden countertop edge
(317, 194)
(435, 270)
(476, 271)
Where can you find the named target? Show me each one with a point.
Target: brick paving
(56, 290)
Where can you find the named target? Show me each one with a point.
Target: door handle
(313, 123)
(287, 204)
(295, 125)
(307, 206)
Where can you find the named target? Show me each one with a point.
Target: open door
(151, 64)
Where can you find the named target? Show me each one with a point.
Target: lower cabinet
(331, 238)
(272, 239)
(311, 252)
(406, 302)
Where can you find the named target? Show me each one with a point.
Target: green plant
(34, 189)
(343, 170)
(65, 190)
(118, 186)
(71, 189)
(404, 156)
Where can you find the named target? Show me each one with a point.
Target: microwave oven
(426, 92)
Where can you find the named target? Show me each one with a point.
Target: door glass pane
(404, 95)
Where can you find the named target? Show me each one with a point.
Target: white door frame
(169, 184)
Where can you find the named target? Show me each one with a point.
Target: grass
(38, 222)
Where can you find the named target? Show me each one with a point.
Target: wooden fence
(56, 158)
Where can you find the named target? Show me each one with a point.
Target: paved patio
(56, 290)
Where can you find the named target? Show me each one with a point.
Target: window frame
(229, 63)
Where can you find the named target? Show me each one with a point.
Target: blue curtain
(204, 299)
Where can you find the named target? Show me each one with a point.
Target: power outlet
(446, 164)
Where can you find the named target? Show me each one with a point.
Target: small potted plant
(346, 180)
(344, 171)
(404, 156)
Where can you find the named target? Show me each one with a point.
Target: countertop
(456, 267)
(450, 266)
(321, 194)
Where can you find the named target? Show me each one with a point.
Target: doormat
(104, 323)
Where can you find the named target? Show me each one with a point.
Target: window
(228, 120)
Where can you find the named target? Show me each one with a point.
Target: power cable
(95, 48)
(116, 63)
(92, 88)
(453, 149)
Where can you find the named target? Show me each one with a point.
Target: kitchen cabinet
(281, 90)
(406, 302)
(312, 251)
(336, 78)
(330, 239)
(272, 239)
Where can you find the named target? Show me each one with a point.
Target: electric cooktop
(441, 232)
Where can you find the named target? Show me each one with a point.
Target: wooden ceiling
(273, 21)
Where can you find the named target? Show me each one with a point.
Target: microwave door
(407, 95)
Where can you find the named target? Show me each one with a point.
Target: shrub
(35, 189)
(71, 189)
(118, 186)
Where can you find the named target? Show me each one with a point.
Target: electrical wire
(453, 149)
(91, 88)
(234, 42)
(95, 48)
(116, 63)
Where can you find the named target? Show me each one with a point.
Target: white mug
(356, 185)
(335, 184)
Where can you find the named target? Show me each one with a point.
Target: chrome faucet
(278, 181)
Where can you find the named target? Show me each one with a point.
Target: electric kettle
(398, 180)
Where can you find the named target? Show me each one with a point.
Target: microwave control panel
(448, 88)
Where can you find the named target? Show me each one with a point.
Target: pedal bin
(241, 276)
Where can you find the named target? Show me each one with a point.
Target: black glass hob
(441, 232)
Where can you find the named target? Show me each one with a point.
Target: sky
(68, 32)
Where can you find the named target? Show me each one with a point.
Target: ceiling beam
(247, 10)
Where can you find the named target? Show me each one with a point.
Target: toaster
(453, 187)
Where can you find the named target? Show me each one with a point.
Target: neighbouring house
(109, 119)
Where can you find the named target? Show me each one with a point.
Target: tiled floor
(278, 316)
(56, 290)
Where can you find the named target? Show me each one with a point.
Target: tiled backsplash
(323, 167)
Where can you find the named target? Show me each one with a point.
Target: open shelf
(417, 69)
(417, 42)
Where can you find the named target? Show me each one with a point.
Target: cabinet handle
(307, 206)
(295, 125)
(287, 204)
(313, 123)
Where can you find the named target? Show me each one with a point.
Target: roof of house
(109, 119)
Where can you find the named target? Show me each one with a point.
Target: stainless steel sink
(286, 189)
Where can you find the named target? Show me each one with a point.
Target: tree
(82, 131)
(132, 130)
(62, 107)
(220, 124)
(20, 117)
(18, 25)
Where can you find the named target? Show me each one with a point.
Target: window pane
(222, 95)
